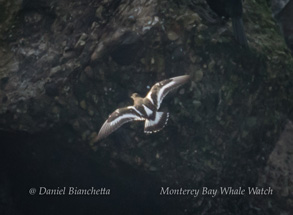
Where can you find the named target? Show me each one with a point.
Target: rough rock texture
(285, 17)
(278, 6)
(8, 11)
(66, 65)
(279, 170)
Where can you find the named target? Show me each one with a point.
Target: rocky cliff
(66, 65)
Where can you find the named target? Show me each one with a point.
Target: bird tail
(157, 124)
(239, 32)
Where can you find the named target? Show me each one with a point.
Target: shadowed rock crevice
(40, 161)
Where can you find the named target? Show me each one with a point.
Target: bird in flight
(144, 109)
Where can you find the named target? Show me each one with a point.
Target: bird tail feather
(157, 124)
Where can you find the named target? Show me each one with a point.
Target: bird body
(143, 109)
(233, 9)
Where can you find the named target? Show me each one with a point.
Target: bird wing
(162, 88)
(117, 119)
(158, 123)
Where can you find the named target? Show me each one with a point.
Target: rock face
(284, 17)
(54, 48)
(65, 65)
(279, 170)
(278, 6)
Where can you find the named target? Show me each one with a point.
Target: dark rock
(8, 14)
(3, 82)
(278, 173)
(128, 48)
(279, 169)
(63, 72)
(4, 98)
(282, 11)
(278, 6)
(178, 54)
(51, 89)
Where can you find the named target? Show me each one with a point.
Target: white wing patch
(149, 97)
(147, 110)
(133, 108)
(130, 113)
(160, 95)
(154, 122)
(124, 116)
(157, 124)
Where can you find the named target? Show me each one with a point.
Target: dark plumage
(233, 9)
(144, 109)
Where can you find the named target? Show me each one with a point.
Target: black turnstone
(144, 109)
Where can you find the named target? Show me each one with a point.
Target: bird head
(134, 95)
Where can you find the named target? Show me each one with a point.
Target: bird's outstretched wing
(162, 88)
(117, 119)
(156, 124)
